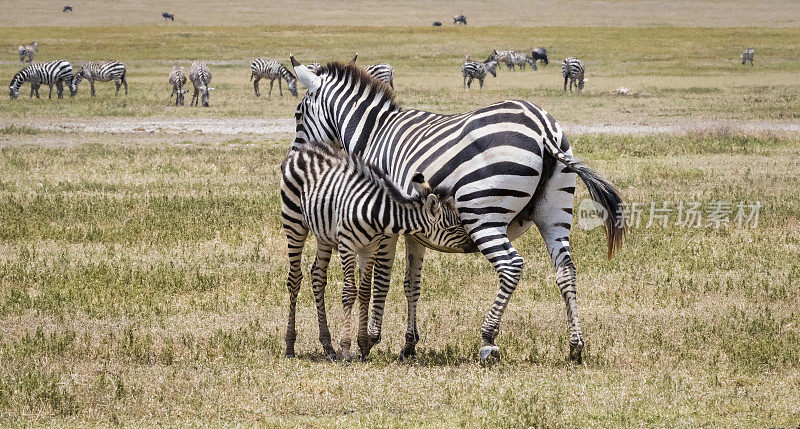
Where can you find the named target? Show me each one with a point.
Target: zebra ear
(433, 205)
(420, 185)
(305, 76)
(354, 59)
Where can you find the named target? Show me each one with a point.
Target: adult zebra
(349, 205)
(102, 71)
(27, 52)
(177, 78)
(748, 55)
(498, 160)
(573, 71)
(51, 73)
(200, 76)
(271, 69)
(477, 70)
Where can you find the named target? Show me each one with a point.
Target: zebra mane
(376, 87)
(377, 176)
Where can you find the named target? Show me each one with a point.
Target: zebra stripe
(51, 73)
(200, 76)
(748, 55)
(503, 57)
(498, 160)
(102, 71)
(347, 203)
(477, 70)
(271, 69)
(573, 71)
(27, 51)
(177, 78)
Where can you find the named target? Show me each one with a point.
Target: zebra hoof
(408, 353)
(489, 354)
(289, 354)
(575, 352)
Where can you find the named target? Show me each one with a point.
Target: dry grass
(141, 282)
(617, 13)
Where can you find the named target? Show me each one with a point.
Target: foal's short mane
(376, 87)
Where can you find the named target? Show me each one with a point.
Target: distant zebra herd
(54, 73)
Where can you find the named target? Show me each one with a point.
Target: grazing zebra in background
(167, 16)
(748, 55)
(58, 73)
(477, 70)
(177, 78)
(500, 162)
(27, 51)
(102, 71)
(200, 76)
(381, 71)
(67, 9)
(271, 69)
(521, 60)
(503, 57)
(459, 19)
(314, 67)
(437, 24)
(540, 54)
(348, 205)
(573, 71)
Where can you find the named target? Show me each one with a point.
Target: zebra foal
(573, 71)
(51, 73)
(102, 71)
(27, 51)
(200, 76)
(348, 204)
(177, 78)
(271, 69)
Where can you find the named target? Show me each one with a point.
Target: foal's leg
(415, 254)
(382, 276)
(349, 261)
(296, 240)
(319, 280)
(365, 261)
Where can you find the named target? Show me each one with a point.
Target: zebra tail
(602, 192)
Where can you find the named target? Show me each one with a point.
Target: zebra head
(76, 79)
(491, 67)
(13, 87)
(437, 204)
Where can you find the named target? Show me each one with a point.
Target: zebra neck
(359, 121)
(407, 218)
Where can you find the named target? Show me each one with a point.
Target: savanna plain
(142, 274)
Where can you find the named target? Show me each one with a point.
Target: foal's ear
(421, 187)
(432, 205)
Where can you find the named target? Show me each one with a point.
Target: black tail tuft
(604, 193)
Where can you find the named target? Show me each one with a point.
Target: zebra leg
(60, 89)
(255, 86)
(382, 276)
(553, 217)
(481, 82)
(296, 241)
(496, 247)
(91, 83)
(415, 254)
(319, 280)
(465, 81)
(365, 262)
(125, 82)
(118, 84)
(469, 82)
(272, 82)
(280, 87)
(50, 94)
(566, 78)
(349, 291)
